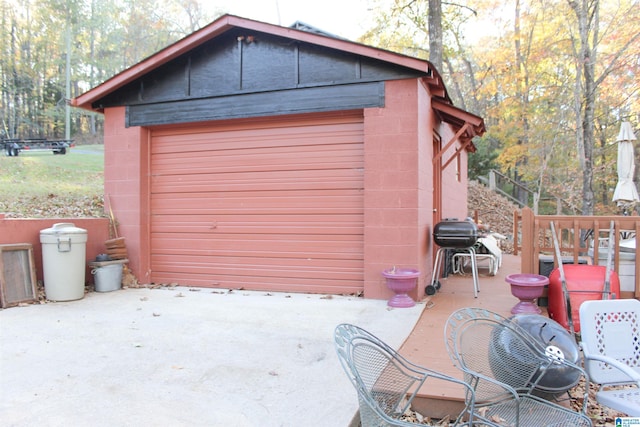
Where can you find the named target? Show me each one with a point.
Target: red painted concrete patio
(425, 345)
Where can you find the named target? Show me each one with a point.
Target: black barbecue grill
(460, 236)
(452, 233)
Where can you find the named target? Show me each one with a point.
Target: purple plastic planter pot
(401, 281)
(527, 288)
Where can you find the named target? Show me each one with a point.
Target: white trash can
(63, 261)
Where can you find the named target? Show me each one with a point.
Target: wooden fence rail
(581, 237)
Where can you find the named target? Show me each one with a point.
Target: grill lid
(455, 234)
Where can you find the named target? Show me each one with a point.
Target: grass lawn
(41, 184)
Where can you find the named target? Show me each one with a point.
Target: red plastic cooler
(584, 283)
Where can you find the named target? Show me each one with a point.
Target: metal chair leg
(432, 287)
(474, 271)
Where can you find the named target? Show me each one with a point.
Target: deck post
(527, 241)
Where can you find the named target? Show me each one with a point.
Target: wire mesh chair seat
(610, 331)
(385, 381)
(509, 371)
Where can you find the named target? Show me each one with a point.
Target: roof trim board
(306, 100)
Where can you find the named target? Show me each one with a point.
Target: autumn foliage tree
(107, 36)
(552, 78)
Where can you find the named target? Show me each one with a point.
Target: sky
(345, 18)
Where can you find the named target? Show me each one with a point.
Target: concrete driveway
(185, 357)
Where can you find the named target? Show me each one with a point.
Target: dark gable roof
(230, 22)
(149, 78)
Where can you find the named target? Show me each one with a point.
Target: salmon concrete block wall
(399, 185)
(391, 213)
(454, 180)
(126, 183)
(23, 230)
(425, 153)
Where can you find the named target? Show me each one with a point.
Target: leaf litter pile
(494, 211)
(600, 415)
(54, 206)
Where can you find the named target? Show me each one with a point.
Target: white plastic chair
(611, 345)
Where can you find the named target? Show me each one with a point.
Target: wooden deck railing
(579, 236)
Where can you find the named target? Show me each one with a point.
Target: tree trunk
(585, 94)
(523, 96)
(435, 33)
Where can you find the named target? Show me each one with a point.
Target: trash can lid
(63, 228)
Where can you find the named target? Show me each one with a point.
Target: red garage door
(260, 204)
